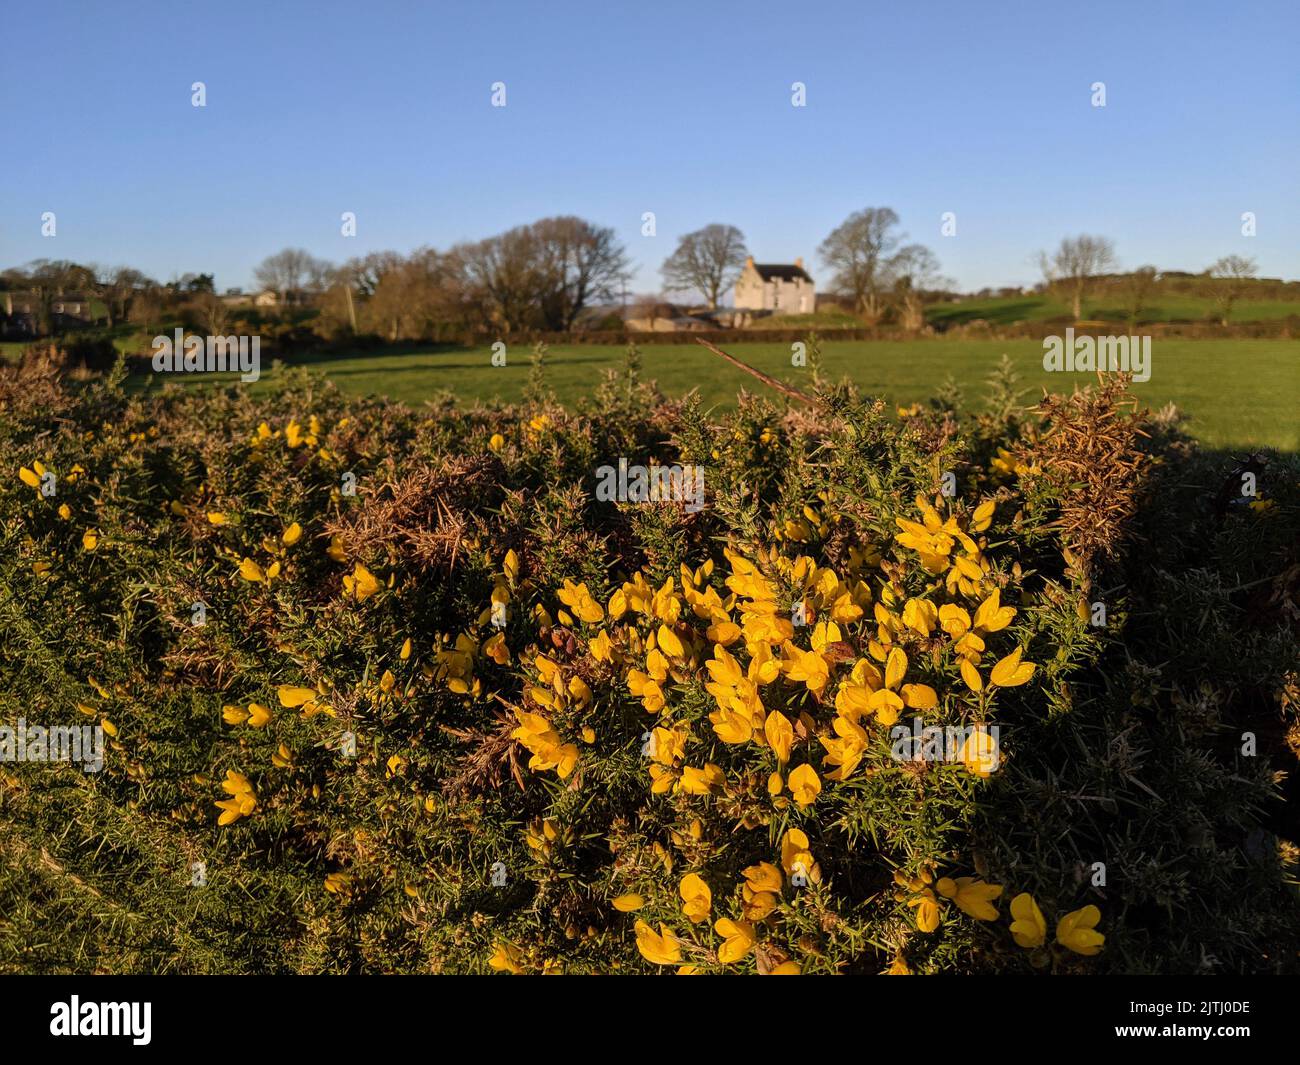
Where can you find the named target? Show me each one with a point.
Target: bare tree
(366, 272)
(503, 271)
(210, 312)
(1138, 286)
(912, 270)
(358, 281)
(117, 287)
(442, 303)
(858, 251)
(425, 297)
(545, 274)
(1074, 265)
(1228, 277)
(707, 261)
(291, 272)
(580, 264)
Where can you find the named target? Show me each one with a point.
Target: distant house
(775, 288)
(22, 313)
(74, 307)
(682, 323)
(239, 298)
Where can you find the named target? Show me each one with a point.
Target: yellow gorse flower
(661, 948)
(578, 599)
(549, 751)
(1009, 672)
(884, 695)
(361, 584)
(796, 857)
(1077, 931)
(242, 801)
(805, 785)
(972, 896)
(1028, 928)
(738, 940)
(507, 958)
(697, 899)
(454, 666)
(256, 716)
(919, 895)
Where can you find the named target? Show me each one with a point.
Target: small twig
(771, 382)
(1252, 584)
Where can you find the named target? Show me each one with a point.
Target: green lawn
(1162, 308)
(125, 338)
(1238, 393)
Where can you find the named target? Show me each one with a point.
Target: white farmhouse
(775, 288)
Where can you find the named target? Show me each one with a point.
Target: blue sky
(681, 109)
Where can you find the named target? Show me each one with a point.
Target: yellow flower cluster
(1006, 464)
(454, 662)
(275, 547)
(741, 645)
(760, 892)
(1076, 931)
(295, 435)
(34, 477)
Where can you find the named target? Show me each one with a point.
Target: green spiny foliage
(1123, 780)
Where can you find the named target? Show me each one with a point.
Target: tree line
(550, 274)
(1080, 265)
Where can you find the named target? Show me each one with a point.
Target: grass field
(1237, 393)
(1012, 310)
(1163, 308)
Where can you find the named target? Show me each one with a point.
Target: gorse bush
(934, 690)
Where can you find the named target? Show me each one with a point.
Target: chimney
(749, 261)
(799, 262)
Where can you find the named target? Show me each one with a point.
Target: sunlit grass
(1237, 393)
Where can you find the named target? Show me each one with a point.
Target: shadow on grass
(473, 367)
(1003, 314)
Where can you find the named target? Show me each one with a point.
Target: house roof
(783, 271)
